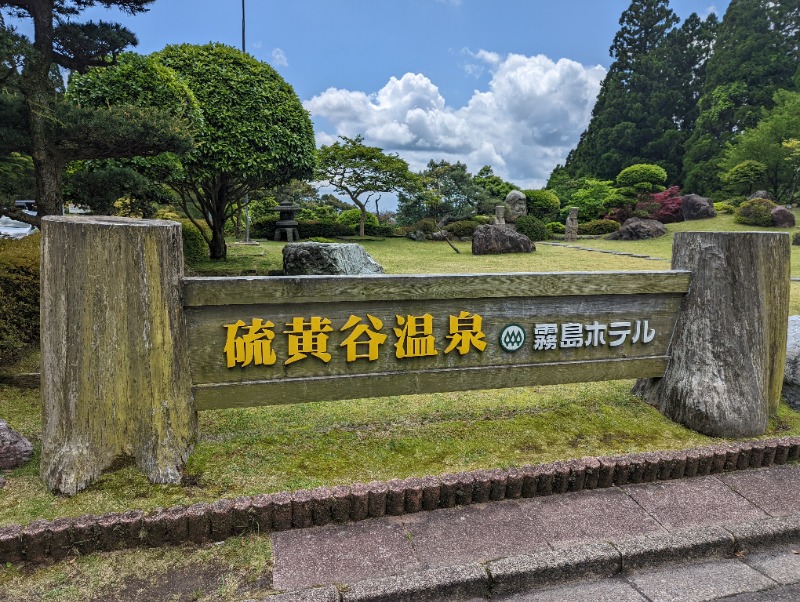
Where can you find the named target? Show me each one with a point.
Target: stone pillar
(499, 215)
(728, 351)
(115, 368)
(571, 232)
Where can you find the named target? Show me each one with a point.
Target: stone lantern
(287, 224)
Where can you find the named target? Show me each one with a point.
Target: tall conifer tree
(621, 127)
(755, 54)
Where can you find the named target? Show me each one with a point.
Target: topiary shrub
(264, 227)
(665, 207)
(756, 212)
(379, 230)
(484, 219)
(313, 229)
(543, 204)
(598, 226)
(19, 297)
(195, 248)
(724, 207)
(462, 229)
(532, 227)
(352, 218)
(427, 225)
(556, 227)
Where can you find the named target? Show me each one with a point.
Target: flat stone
(596, 515)
(340, 554)
(689, 502)
(703, 542)
(317, 594)
(790, 593)
(700, 582)
(610, 590)
(776, 490)
(518, 574)
(781, 564)
(450, 583)
(322, 258)
(475, 533)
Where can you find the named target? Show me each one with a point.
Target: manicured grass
(232, 570)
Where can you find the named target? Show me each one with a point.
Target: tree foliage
(764, 145)
(254, 133)
(361, 172)
(755, 54)
(52, 131)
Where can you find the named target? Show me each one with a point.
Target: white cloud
(708, 11)
(279, 58)
(524, 123)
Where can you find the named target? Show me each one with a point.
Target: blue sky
(509, 83)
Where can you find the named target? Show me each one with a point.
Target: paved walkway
(409, 544)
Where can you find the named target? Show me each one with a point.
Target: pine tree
(755, 54)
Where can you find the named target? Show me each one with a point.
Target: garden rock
(417, 235)
(440, 235)
(761, 194)
(496, 240)
(517, 205)
(638, 229)
(571, 227)
(15, 450)
(324, 259)
(695, 206)
(791, 372)
(782, 217)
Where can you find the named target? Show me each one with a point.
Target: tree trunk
(217, 249)
(115, 373)
(728, 351)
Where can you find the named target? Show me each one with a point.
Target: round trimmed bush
(543, 204)
(598, 226)
(635, 175)
(462, 229)
(756, 212)
(352, 218)
(427, 225)
(195, 247)
(556, 227)
(532, 227)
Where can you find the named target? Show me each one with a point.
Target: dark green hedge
(19, 297)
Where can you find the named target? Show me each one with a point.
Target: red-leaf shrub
(664, 207)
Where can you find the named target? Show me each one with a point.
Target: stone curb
(205, 522)
(516, 574)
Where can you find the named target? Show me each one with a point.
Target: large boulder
(327, 259)
(782, 217)
(517, 205)
(15, 450)
(791, 371)
(496, 240)
(761, 194)
(694, 206)
(417, 235)
(638, 229)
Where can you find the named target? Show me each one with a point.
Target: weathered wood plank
(240, 395)
(727, 356)
(312, 289)
(208, 336)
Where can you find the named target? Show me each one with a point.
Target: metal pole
(247, 193)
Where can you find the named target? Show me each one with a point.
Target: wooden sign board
(264, 341)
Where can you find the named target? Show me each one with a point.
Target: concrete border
(516, 574)
(216, 521)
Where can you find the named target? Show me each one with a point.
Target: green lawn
(249, 451)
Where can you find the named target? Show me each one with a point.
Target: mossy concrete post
(728, 351)
(115, 368)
